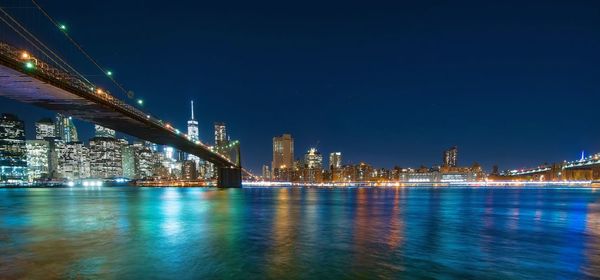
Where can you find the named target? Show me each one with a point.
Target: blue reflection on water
(110, 232)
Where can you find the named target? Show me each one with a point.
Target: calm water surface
(146, 233)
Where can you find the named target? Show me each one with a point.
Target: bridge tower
(231, 177)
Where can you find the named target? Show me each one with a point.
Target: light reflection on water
(139, 233)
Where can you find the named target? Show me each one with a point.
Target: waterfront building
(348, 173)
(55, 148)
(37, 159)
(13, 153)
(335, 166)
(266, 172)
(73, 161)
(65, 129)
(313, 161)
(420, 176)
(128, 161)
(335, 160)
(45, 128)
(364, 172)
(188, 170)
(101, 131)
(106, 159)
(145, 160)
(283, 157)
(381, 174)
(206, 170)
(450, 157)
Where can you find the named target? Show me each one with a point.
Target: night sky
(513, 83)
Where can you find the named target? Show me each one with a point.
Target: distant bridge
(25, 78)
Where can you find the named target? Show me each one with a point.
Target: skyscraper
(193, 133)
(220, 135)
(188, 170)
(283, 157)
(105, 158)
(128, 161)
(192, 130)
(335, 160)
(102, 131)
(144, 160)
(335, 166)
(73, 161)
(13, 154)
(45, 128)
(266, 173)
(450, 157)
(37, 159)
(65, 129)
(313, 161)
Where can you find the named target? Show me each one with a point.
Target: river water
(283, 233)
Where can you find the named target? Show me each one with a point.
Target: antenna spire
(192, 109)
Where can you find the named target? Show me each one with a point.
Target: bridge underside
(52, 96)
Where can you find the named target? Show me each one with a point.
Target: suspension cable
(43, 45)
(32, 43)
(89, 57)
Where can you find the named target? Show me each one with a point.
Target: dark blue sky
(509, 82)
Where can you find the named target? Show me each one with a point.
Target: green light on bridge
(109, 73)
(29, 65)
(140, 102)
(62, 27)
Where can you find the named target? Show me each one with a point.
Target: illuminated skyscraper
(105, 157)
(192, 130)
(65, 129)
(73, 161)
(128, 161)
(102, 131)
(45, 128)
(145, 160)
(37, 159)
(283, 157)
(313, 161)
(335, 161)
(188, 170)
(450, 157)
(335, 166)
(266, 173)
(220, 135)
(13, 154)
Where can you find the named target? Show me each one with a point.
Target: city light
(140, 102)
(25, 55)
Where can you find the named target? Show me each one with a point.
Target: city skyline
(56, 153)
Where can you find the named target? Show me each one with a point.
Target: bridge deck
(52, 94)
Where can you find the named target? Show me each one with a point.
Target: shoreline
(576, 184)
